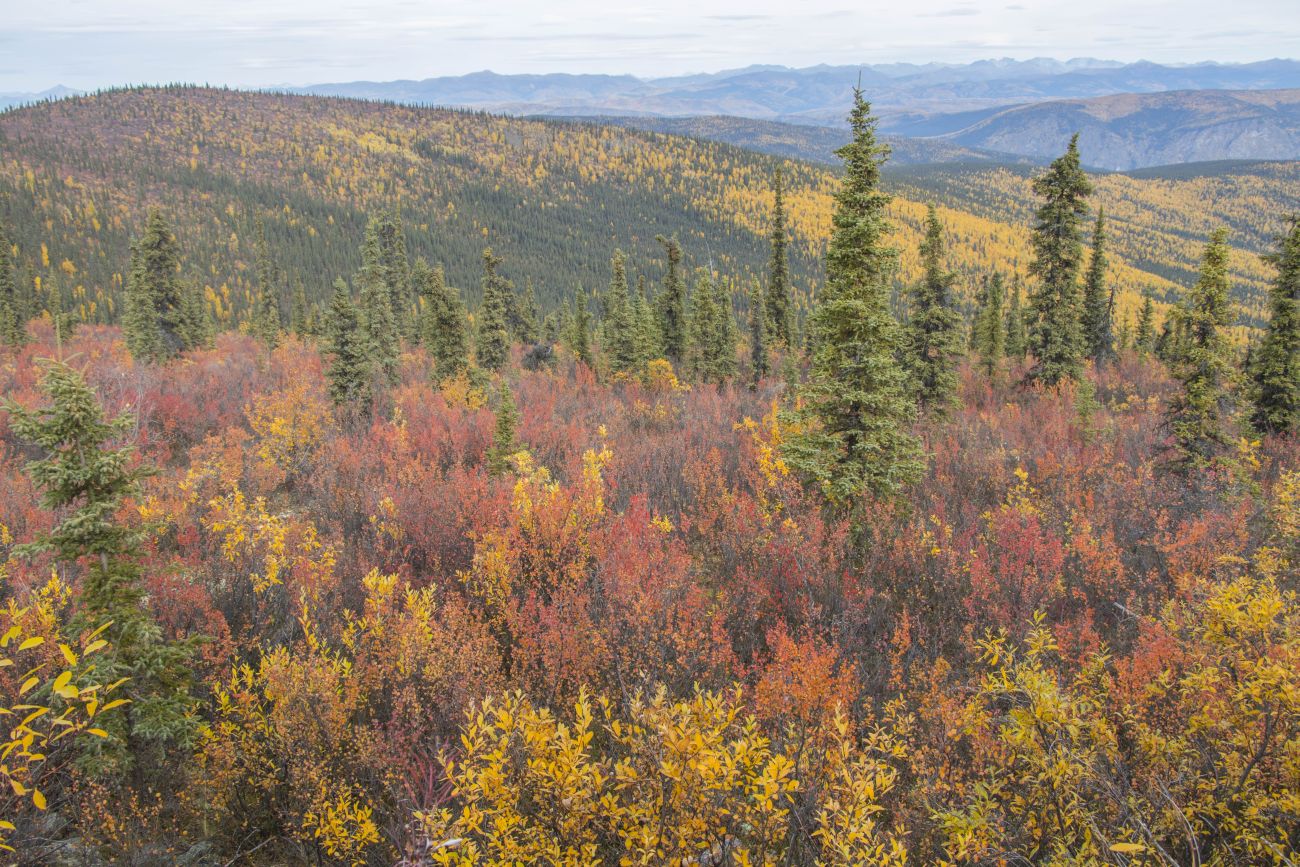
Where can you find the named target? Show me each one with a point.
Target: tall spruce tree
(394, 266)
(351, 366)
(647, 327)
(779, 307)
(712, 344)
(524, 319)
(853, 425)
(264, 321)
(505, 442)
(620, 338)
(194, 325)
(1017, 332)
(84, 481)
(1056, 336)
(1201, 358)
(672, 303)
(378, 324)
(1098, 300)
(933, 333)
(580, 331)
(760, 366)
(13, 319)
(492, 350)
(990, 328)
(445, 328)
(1144, 338)
(154, 293)
(1276, 365)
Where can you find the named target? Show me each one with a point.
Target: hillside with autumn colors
(554, 199)
(394, 487)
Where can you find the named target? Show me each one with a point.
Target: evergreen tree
(13, 319)
(1202, 363)
(505, 441)
(395, 269)
(933, 334)
(194, 325)
(712, 330)
(853, 436)
(350, 368)
(264, 323)
(1098, 301)
(84, 481)
(581, 342)
(493, 348)
(154, 293)
(524, 326)
(648, 339)
(377, 323)
(1017, 333)
(672, 304)
(1276, 366)
(620, 340)
(990, 339)
(779, 309)
(302, 315)
(1145, 337)
(1057, 333)
(760, 365)
(445, 330)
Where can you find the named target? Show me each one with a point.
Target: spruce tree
(13, 320)
(933, 334)
(524, 325)
(853, 425)
(647, 326)
(444, 329)
(779, 308)
(1144, 338)
(154, 293)
(1276, 366)
(581, 340)
(492, 350)
(1202, 362)
(672, 304)
(394, 266)
(504, 438)
(84, 481)
(302, 314)
(194, 325)
(1056, 337)
(377, 322)
(620, 338)
(990, 329)
(350, 368)
(1017, 333)
(1098, 301)
(264, 321)
(760, 366)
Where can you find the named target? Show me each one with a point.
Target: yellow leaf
(99, 733)
(27, 685)
(1127, 847)
(68, 654)
(34, 641)
(38, 799)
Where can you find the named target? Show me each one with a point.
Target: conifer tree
(524, 324)
(302, 315)
(1276, 366)
(712, 329)
(1017, 333)
(1202, 363)
(350, 368)
(990, 329)
(672, 304)
(377, 323)
(580, 341)
(194, 325)
(504, 438)
(1145, 337)
(1056, 337)
(492, 350)
(853, 426)
(264, 320)
(1098, 301)
(153, 293)
(933, 334)
(13, 319)
(394, 266)
(777, 298)
(647, 327)
(444, 329)
(759, 363)
(85, 481)
(620, 340)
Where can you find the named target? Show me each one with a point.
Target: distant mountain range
(10, 99)
(905, 95)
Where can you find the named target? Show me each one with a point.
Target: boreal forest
(388, 485)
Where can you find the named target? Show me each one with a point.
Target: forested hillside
(554, 199)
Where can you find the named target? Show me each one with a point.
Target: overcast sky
(93, 43)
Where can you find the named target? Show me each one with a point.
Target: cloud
(954, 12)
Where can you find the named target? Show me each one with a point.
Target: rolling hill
(555, 198)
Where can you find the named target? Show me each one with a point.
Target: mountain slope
(76, 177)
(1128, 131)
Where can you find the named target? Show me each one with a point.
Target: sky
(88, 44)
